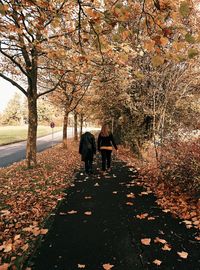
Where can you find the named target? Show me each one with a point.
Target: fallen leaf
(25, 247)
(151, 218)
(7, 248)
(88, 213)
(129, 203)
(114, 192)
(146, 241)
(43, 231)
(131, 195)
(166, 247)
(96, 185)
(183, 254)
(158, 240)
(197, 238)
(157, 262)
(88, 197)
(142, 216)
(4, 266)
(107, 266)
(16, 237)
(72, 212)
(81, 265)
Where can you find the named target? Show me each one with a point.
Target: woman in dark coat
(106, 143)
(87, 149)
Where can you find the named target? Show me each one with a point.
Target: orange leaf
(25, 247)
(107, 266)
(131, 195)
(183, 254)
(157, 262)
(158, 240)
(142, 216)
(166, 247)
(146, 241)
(4, 266)
(43, 231)
(7, 248)
(129, 203)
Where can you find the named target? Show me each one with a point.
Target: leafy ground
(29, 199)
(29, 196)
(10, 134)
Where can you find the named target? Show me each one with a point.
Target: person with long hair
(106, 143)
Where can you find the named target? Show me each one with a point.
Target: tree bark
(81, 124)
(75, 126)
(31, 149)
(65, 125)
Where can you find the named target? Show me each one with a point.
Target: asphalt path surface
(101, 224)
(17, 151)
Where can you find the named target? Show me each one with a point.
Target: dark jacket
(106, 141)
(87, 147)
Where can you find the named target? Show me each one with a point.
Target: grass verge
(11, 134)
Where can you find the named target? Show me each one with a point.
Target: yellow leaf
(146, 241)
(183, 254)
(157, 60)
(157, 262)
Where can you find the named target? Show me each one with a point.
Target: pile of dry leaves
(172, 199)
(28, 197)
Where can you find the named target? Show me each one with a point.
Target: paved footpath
(100, 224)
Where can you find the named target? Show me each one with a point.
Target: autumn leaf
(183, 254)
(43, 231)
(4, 266)
(149, 45)
(142, 216)
(184, 9)
(25, 247)
(158, 240)
(157, 262)
(146, 241)
(8, 247)
(88, 197)
(108, 266)
(166, 247)
(157, 60)
(131, 195)
(72, 212)
(129, 203)
(88, 213)
(114, 192)
(81, 266)
(192, 53)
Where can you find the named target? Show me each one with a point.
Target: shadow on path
(101, 222)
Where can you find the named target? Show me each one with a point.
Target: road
(17, 151)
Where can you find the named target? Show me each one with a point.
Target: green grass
(10, 134)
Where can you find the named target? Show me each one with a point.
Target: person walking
(87, 149)
(106, 143)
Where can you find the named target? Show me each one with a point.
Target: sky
(7, 90)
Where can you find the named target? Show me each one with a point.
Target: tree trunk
(65, 125)
(75, 126)
(81, 124)
(31, 149)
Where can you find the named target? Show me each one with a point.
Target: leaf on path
(197, 238)
(157, 262)
(81, 266)
(151, 218)
(88, 213)
(146, 241)
(96, 185)
(107, 266)
(44, 231)
(166, 247)
(183, 254)
(8, 247)
(159, 240)
(88, 197)
(72, 212)
(129, 203)
(4, 266)
(62, 214)
(131, 195)
(25, 247)
(17, 237)
(114, 192)
(142, 216)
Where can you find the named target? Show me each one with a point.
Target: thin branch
(14, 83)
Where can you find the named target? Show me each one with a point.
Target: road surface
(17, 151)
